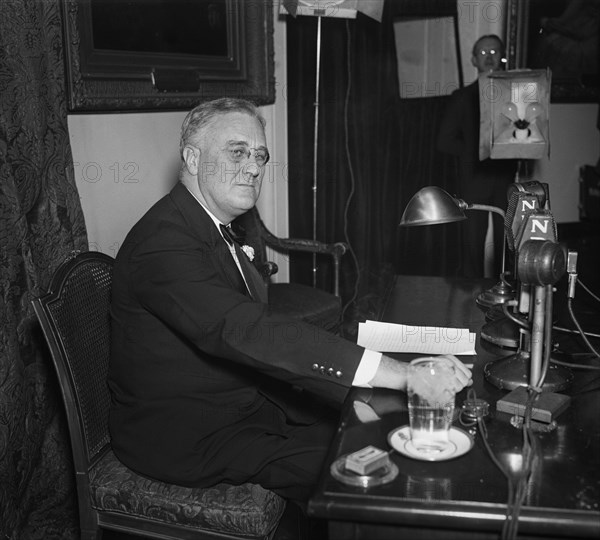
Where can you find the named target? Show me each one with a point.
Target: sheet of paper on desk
(391, 337)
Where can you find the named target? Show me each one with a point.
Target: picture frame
(152, 55)
(561, 35)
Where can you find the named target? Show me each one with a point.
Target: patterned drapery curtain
(41, 222)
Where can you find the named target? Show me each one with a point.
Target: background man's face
(229, 179)
(488, 55)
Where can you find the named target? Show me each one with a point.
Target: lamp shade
(431, 205)
(345, 9)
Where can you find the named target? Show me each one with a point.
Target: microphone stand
(540, 264)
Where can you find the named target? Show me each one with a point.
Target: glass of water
(430, 403)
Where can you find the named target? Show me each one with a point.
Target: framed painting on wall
(132, 55)
(562, 35)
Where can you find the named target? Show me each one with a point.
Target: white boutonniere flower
(249, 251)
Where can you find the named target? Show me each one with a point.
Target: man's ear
(191, 158)
(474, 60)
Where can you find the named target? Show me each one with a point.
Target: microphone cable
(581, 332)
(509, 528)
(571, 331)
(571, 295)
(517, 490)
(573, 281)
(480, 413)
(587, 290)
(572, 270)
(528, 452)
(530, 444)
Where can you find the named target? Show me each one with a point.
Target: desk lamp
(432, 205)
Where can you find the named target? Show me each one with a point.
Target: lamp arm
(464, 206)
(485, 207)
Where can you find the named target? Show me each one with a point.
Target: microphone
(537, 225)
(523, 199)
(540, 262)
(520, 205)
(539, 189)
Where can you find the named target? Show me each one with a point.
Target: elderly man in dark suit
(203, 374)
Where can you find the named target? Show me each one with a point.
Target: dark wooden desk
(465, 498)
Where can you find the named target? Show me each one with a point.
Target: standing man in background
(480, 182)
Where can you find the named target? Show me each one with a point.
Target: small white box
(367, 460)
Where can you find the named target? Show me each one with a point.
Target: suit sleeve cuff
(367, 368)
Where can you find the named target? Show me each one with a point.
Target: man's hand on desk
(392, 374)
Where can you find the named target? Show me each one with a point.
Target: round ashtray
(382, 475)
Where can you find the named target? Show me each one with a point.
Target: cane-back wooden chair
(75, 318)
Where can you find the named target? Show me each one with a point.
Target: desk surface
(468, 494)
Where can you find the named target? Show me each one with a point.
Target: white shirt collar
(216, 220)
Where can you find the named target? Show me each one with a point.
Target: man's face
(488, 55)
(231, 162)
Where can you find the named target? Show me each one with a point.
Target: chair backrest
(75, 319)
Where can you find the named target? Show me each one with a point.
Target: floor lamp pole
(316, 146)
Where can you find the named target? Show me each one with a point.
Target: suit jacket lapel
(257, 286)
(203, 227)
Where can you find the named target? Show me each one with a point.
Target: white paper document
(391, 337)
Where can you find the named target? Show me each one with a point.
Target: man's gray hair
(203, 115)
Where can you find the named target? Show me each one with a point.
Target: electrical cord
(351, 171)
(523, 324)
(511, 487)
(479, 413)
(575, 366)
(529, 451)
(587, 290)
(530, 442)
(571, 331)
(581, 332)
(573, 281)
(517, 491)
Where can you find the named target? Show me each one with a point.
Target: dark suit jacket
(459, 136)
(192, 353)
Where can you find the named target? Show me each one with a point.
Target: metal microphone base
(512, 371)
(502, 332)
(500, 293)
(494, 313)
